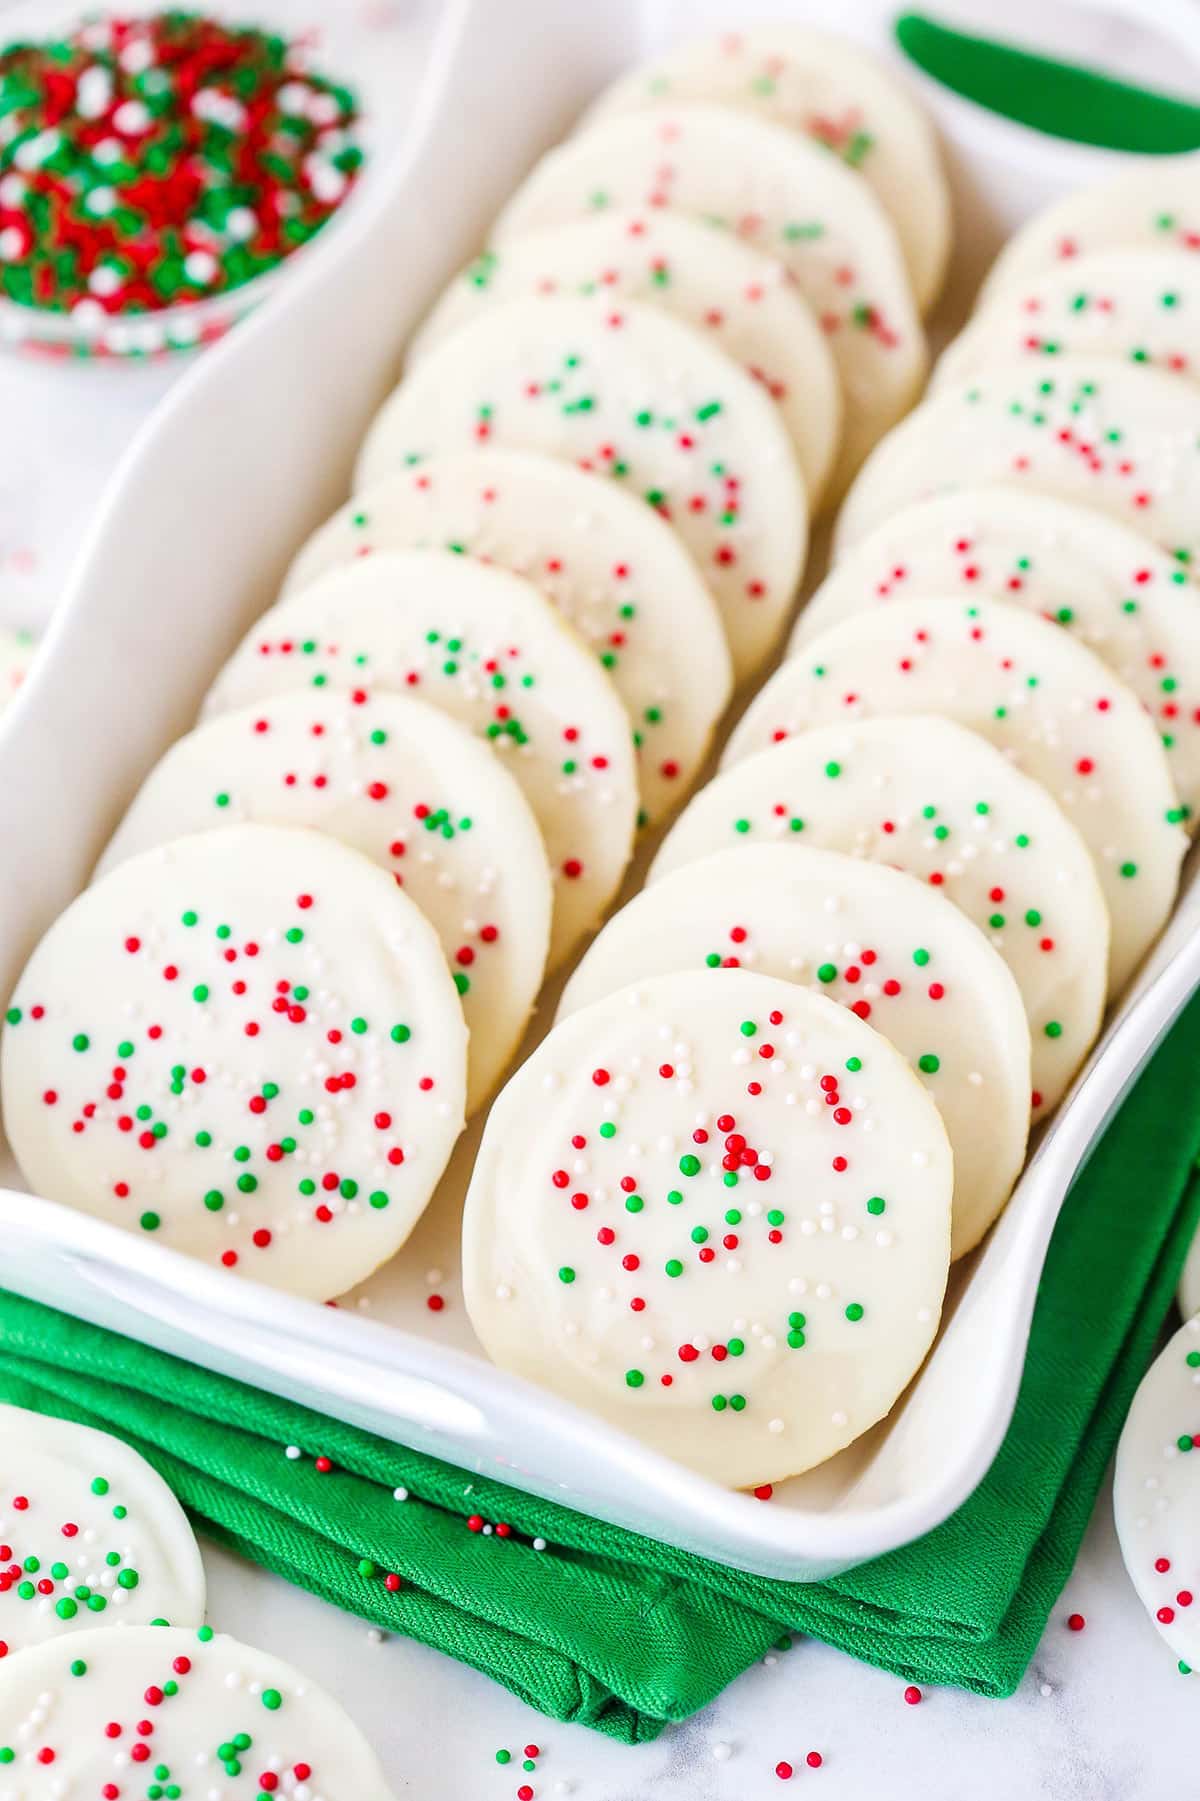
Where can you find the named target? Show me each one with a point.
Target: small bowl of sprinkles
(156, 173)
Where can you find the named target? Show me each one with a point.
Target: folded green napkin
(612, 1630)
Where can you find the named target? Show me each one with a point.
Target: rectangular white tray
(249, 453)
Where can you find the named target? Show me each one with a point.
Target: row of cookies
(93, 1539)
(1109, 276)
(993, 692)
(579, 517)
(584, 517)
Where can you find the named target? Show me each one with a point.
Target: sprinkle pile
(151, 163)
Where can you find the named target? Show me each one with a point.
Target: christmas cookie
(414, 791)
(636, 398)
(1139, 306)
(1152, 204)
(834, 92)
(1156, 1493)
(246, 1046)
(715, 1210)
(188, 1713)
(927, 797)
(92, 1536)
(1040, 697)
(1130, 603)
(485, 647)
(16, 654)
(889, 948)
(784, 197)
(748, 304)
(1114, 436)
(615, 571)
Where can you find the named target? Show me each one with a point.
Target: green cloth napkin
(611, 1629)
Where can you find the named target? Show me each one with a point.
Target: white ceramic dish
(250, 452)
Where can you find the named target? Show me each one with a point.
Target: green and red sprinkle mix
(150, 162)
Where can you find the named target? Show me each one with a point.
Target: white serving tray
(249, 453)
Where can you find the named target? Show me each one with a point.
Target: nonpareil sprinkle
(149, 162)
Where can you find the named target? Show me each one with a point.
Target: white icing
(615, 571)
(835, 92)
(783, 195)
(1135, 305)
(748, 304)
(74, 1499)
(1152, 1460)
(518, 677)
(222, 1691)
(410, 788)
(1110, 435)
(908, 792)
(828, 1371)
(1150, 204)
(632, 395)
(765, 906)
(1034, 692)
(138, 1060)
(1128, 601)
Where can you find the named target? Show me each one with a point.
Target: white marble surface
(1103, 1714)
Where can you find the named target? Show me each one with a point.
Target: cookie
(713, 1209)
(1129, 602)
(199, 1050)
(746, 303)
(891, 949)
(938, 802)
(409, 787)
(780, 194)
(485, 647)
(189, 1713)
(1110, 435)
(1139, 306)
(1045, 700)
(92, 1536)
(837, 94)
(1150, 204)
(1156, 1493)
(634, 397)
(615, 571)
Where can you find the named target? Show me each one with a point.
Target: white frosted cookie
(413, 790)
(636, 398)
(1140, 306)
(1128, 601)
(1151, 204)
(1156, 1493)
(245, 1045)
(615, 571)
(1188, 1295)
(189, 1713)
(1111, 435)
(780, 194)
(16, 654)
(715, 1210)
(1039, 696)
(92, 1536)
(835, 92)
(939, 802)
(747, 303)
(487, 648)
(891, 949)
